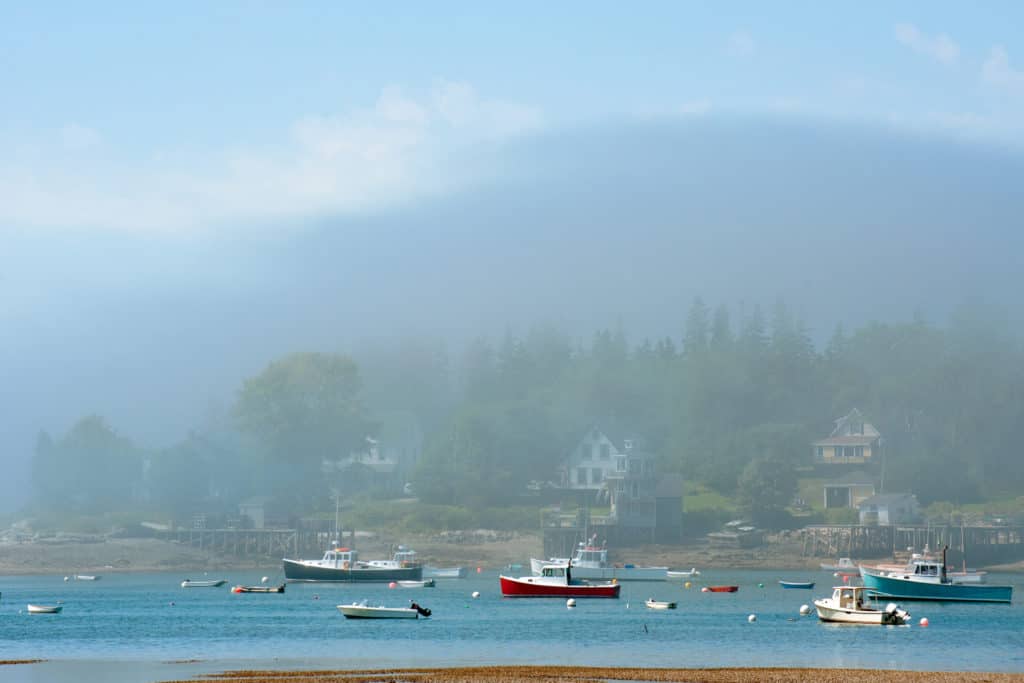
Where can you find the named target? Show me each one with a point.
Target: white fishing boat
(212, 583)
(844, 565)
(681, 574)
(849, 605)
(591, 562)
(361, 610)
(659, 604)
(444, 572)
(45, 609)
(422, 583)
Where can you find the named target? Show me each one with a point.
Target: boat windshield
(554, 571)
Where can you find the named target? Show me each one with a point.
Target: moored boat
(364, 611)
(258, 589)
(848, 605)
(659, 604)
(444, 572)
(344, 565)
(44, 609)
(591, 562)
(797, 584)
(422, 583)
(86, 577)
(930, 581)
(681, 574)
(556, 581)
(719, 589)
(212, 583)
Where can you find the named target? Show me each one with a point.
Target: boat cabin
(405, 557)
(850, 597)
(342, 558)
(590, 556)
(553, 571)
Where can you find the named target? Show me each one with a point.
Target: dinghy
(45, 609)
(659, 604)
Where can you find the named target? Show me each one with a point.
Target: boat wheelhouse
(344, 565)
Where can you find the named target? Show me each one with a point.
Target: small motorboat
(422, 583)
(258, 589)
(213, 583)
(364, 611)
(683, 574)
(806, 585)
(45, 609)
(86, 577)
(659, 604)
(848, 605)
(719, 589)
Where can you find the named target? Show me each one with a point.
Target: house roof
(669, 486)
(852, 478)
(887, 499)
(858, 440)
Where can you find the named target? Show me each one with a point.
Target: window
(581, 475)
(628, 444)
(606, 451)
(821, 452)
(620, 487)
(595, 475)
(634, 465)
(620, 464)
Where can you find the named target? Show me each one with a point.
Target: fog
(619, 223)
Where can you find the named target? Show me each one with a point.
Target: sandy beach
(516, 674)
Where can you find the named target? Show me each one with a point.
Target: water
(140, 627)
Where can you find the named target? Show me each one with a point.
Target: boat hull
(296, 570)
(907, 589)
(805, 585)
(258, 589)
(365, 612)
(45, 609)
(720, 589)
(847, 616)
(530, 587)
(203, 584)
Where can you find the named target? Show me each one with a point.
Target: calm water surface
(138, 627)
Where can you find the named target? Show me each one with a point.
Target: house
(848, 490)
(631, 490)
(385, 462)
(885, 509)
(853, 441)
(668, 509)
(594, 458)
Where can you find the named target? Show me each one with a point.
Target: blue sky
(196, 116)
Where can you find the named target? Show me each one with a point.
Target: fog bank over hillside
(615, 223)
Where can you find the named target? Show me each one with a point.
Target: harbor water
(145, 627)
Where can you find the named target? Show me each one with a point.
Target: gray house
(885, 509)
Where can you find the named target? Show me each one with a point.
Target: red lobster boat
(720, 589)
(556, 581)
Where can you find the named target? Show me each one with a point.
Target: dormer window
(627, 444)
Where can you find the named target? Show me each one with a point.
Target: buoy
(476, 594)
(846, 578)
(265, 579)
(479, 570)
(924, 622)
(686, 585)
(392, 585)
(805, 610)
(752, 618)
(705, 589)
(760, 585)
(172, 603)
(571, 602)
(66, 578)
(836, 574)
(316, 597)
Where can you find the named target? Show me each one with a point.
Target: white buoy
(752, 618)
(805, 610)
(924, 621)
(476, 594)
(571, 602)
(265, 579)
(67, 578)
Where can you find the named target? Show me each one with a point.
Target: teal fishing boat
(929, 581)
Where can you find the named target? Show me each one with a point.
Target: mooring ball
(476, 594)
(805, 610)
(571, 602)
(752, 618)
(924, 621)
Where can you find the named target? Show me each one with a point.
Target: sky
(188, 191)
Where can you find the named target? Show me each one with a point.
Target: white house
(595, 457)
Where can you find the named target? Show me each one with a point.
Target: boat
(364, 611)
(963, 576)
(444, 572)
(45, 609)
(683, 574)
(258, 589)
(591, 562)
(797, 584)
(844, 566)
(848, 605)
(344, 565)
(86, 577)
(719, 589)
(930, 581)
(402, 558)
(422, 583)
(212, 583)
(556, 581)
(659, 604)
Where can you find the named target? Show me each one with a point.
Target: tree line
(734, 403)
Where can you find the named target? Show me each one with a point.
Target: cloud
(998, 71)
(740, 44)
(940, 47)
(400, 148)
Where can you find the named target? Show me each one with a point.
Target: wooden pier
(979, 545)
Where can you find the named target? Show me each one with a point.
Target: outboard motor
(423, 611)
(893, 614)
